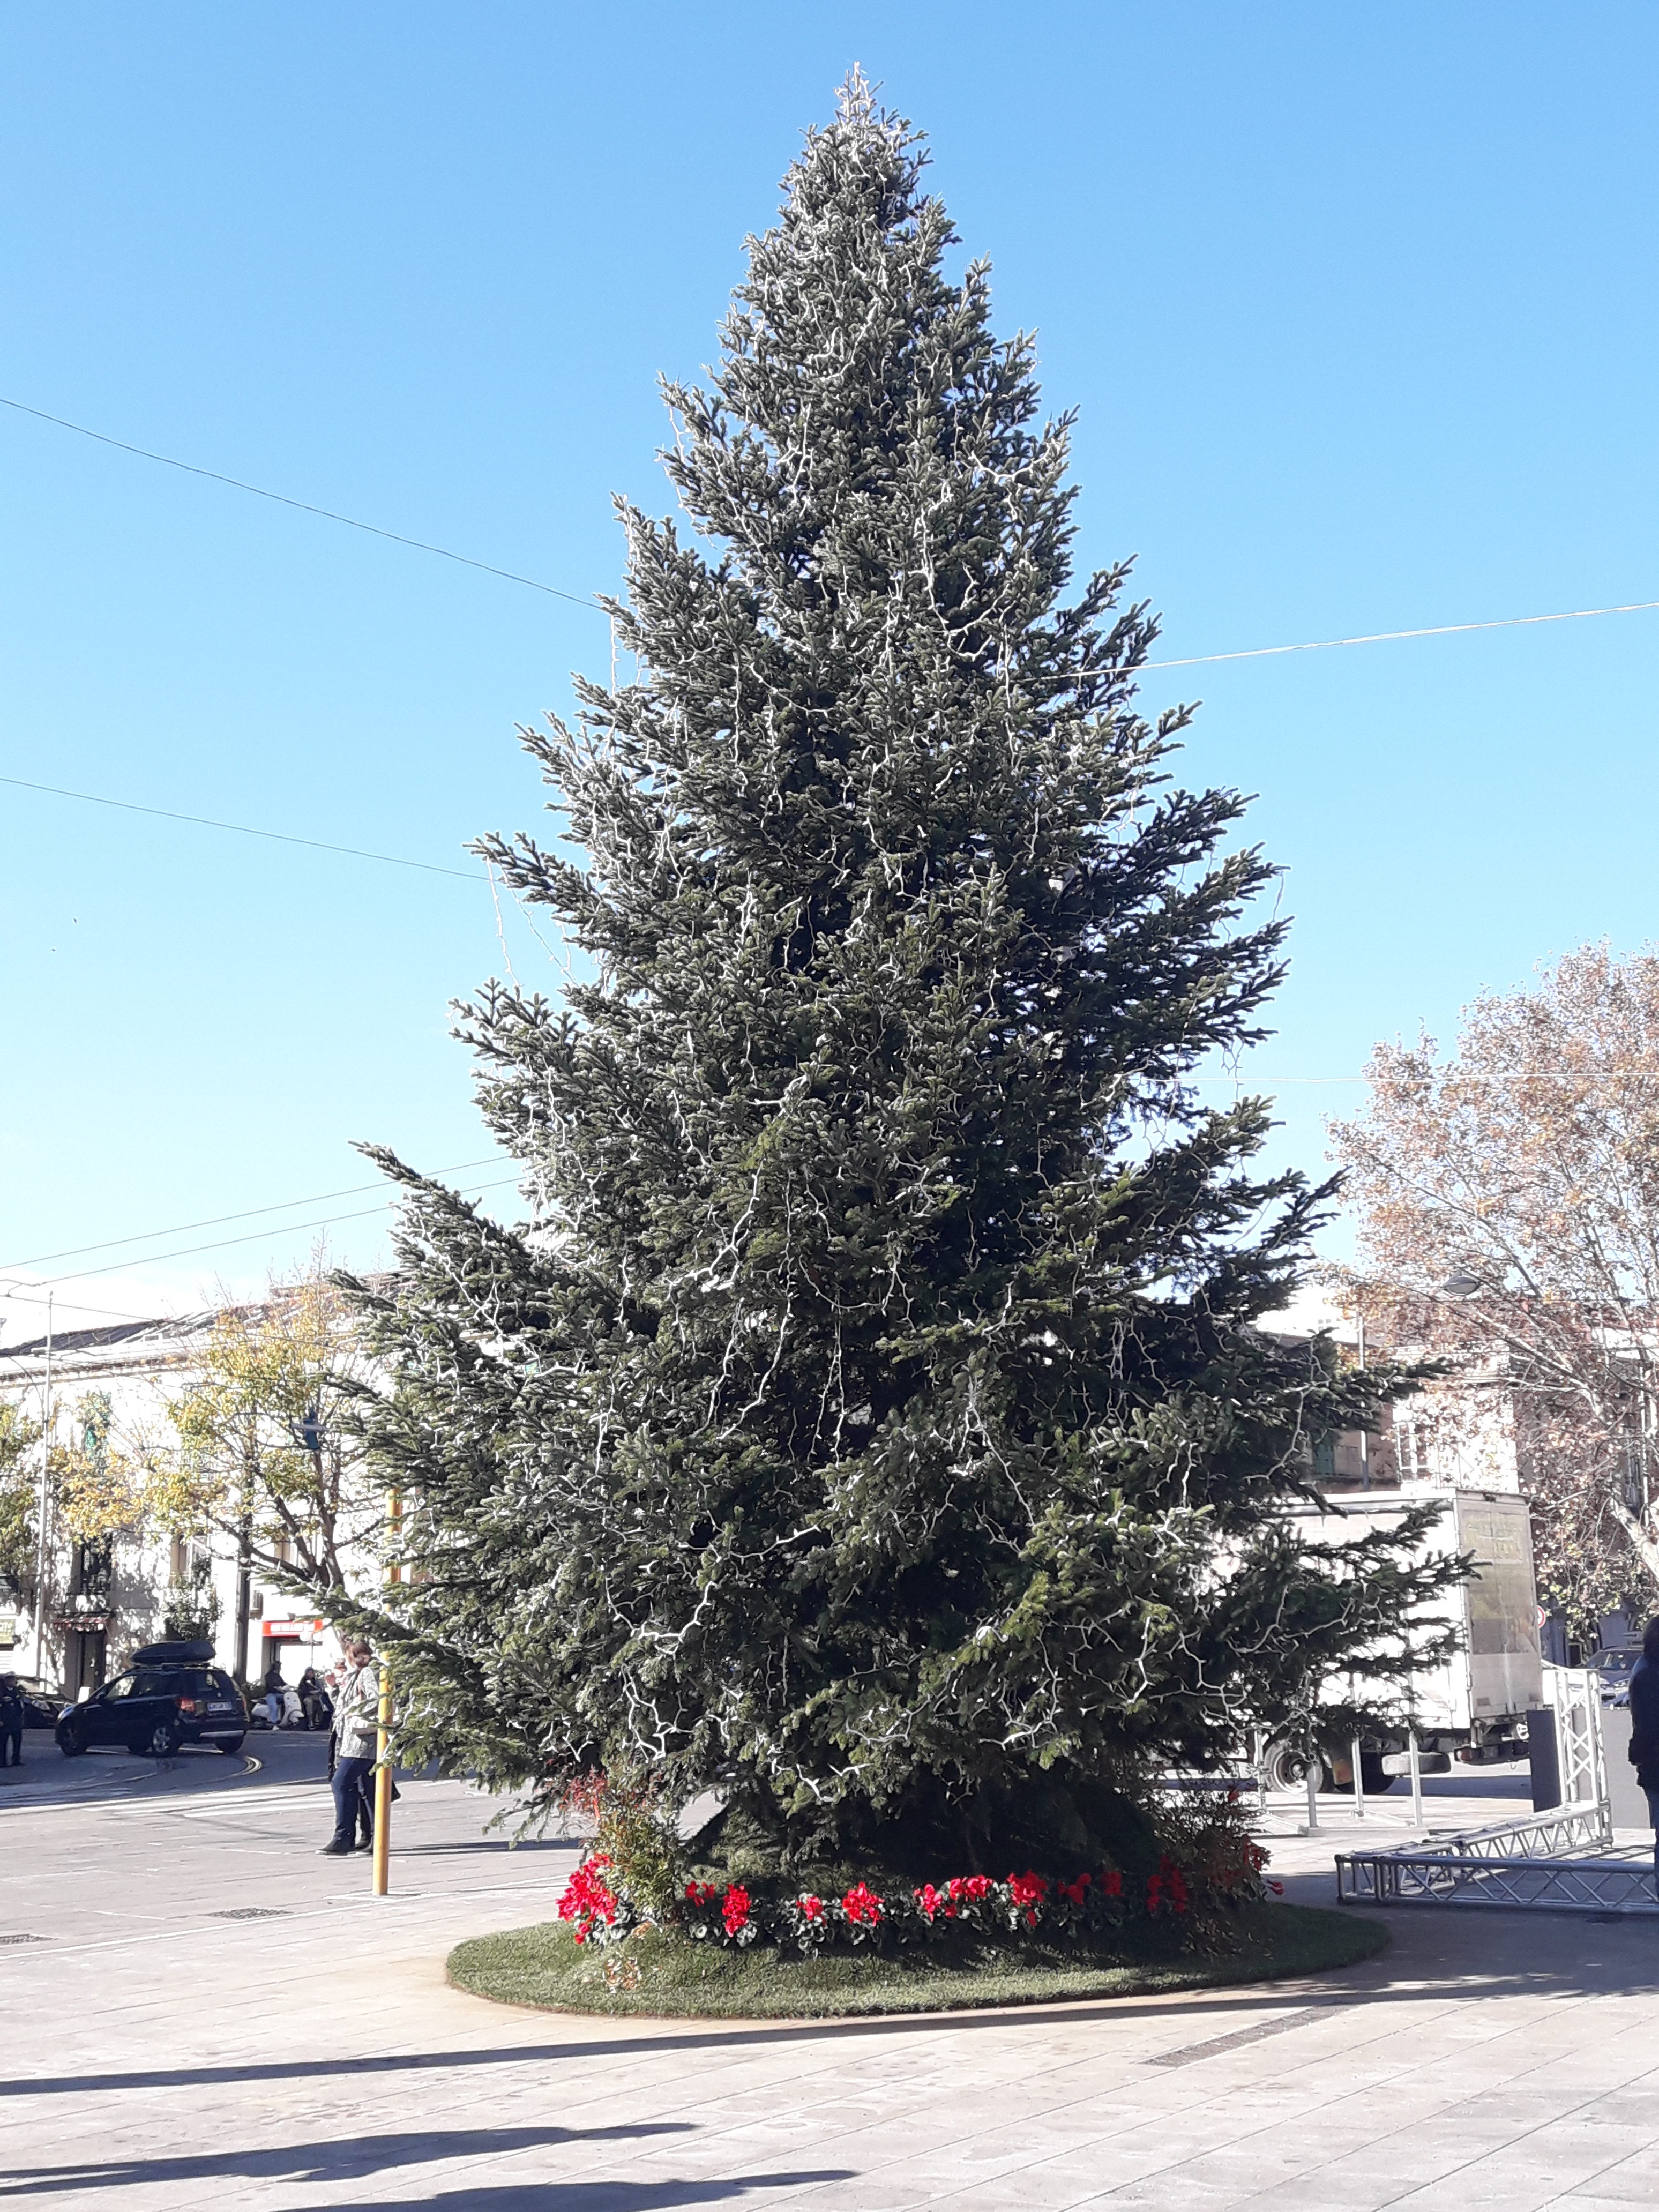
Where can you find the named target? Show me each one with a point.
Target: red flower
(861, 1903)
(700, 1892)
(811, 1906)
(1075, 1892)
(1167, 1886)
(1025, 1890)
(1111, 1882)
(587, 1898)
(930, 1900)
(734, 1909)
(970, 1888)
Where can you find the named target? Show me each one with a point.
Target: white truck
(1472, 1706)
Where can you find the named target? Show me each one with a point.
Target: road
(202, 2013)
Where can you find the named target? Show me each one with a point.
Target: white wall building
(99, 1601)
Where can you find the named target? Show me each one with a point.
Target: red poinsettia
(968, 1889)
(734, 1909)
(1166, 1890)
(588, 1898)
(861, 1905)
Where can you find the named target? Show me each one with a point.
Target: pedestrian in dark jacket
(1645, 1729)
(11, 1722)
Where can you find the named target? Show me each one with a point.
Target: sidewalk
(167, 2055)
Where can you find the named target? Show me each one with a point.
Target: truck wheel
(1287, 1768)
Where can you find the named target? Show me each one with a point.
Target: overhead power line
(73, 1305)
(1394, 637)
(305, 507)
(216, 1220)
(251, 1236)
(582, 600)
(246, 829)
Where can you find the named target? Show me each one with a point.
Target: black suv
(171, 1694)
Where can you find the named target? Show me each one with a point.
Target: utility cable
(578, 599)
(216, 1220)
(67, 1305)
(1393, 636)
(282, 499)
(251, 1236)
(245, 830)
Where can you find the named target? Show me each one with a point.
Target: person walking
(356, 1724)
(11, 1722)
(1644, 1730)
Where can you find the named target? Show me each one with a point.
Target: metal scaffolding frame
(1565, 1860)
(1575, 1695)
(1611, 1878)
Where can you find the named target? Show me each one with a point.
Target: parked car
(172, 1694)
(38, 1711)
(1615, 1667)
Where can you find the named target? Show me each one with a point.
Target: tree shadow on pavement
(591, 2195)
(342, 2160)
(1470, 1955)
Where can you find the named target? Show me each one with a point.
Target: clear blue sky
(1357, 305)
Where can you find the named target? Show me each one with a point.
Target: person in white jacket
(357, 1720)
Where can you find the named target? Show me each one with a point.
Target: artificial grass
(543, 1966)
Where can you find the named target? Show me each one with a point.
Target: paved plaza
(207, 2014)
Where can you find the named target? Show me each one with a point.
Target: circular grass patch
(543, 1966)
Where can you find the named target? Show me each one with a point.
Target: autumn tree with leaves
(19, 1491)
(1507, 1201)
(262, 1453)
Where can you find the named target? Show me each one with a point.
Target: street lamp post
(383, 1741)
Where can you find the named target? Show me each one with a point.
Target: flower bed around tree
(600, 1904)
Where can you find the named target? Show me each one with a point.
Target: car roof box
(173, 1655)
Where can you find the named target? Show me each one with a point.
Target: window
(1324, 1457)
(1411, 1447)
(120, 1687)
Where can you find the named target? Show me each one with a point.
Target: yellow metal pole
(383, 1789)
(383, 1738)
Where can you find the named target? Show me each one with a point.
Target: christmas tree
(873, 1423)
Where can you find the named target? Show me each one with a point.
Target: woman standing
(1645, 1729)
(356, 1724)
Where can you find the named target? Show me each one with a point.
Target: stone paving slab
(161, 2058)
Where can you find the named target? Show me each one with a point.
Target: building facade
(104, 1395)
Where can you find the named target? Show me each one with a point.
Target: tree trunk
(1646, 1546)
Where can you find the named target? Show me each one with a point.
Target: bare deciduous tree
(1507, 1201)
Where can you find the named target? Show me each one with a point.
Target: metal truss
(1564, 1861)
(1575, 1692)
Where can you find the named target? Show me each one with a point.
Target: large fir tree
(873, 1423)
